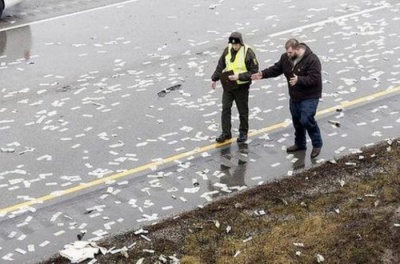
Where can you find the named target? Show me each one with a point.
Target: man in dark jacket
(302, 70)
(239, 60)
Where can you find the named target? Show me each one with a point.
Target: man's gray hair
(292, 43)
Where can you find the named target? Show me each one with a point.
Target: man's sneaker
(295, 148)
(315, 152)
(222, 138)
(242, 138)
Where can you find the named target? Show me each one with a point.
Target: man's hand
(213, 85)
(256, 76)
(234, 77)
(293, 80)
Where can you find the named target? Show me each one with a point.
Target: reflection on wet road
(233, 165)
(15, 45)
(299, 160)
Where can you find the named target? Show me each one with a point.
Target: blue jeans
(303, 113)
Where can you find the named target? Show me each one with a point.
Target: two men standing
(302, 70)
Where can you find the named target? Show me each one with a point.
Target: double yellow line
(148, 166)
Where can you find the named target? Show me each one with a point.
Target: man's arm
(220, 67)
(274, 70)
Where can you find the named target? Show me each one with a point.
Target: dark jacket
(250, 60)
(308, 70)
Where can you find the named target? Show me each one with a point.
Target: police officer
(239, 59)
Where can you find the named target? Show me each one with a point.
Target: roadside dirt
(347, 211)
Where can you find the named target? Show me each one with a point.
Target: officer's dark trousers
(240, 96)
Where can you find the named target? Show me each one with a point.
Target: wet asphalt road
(79, 101)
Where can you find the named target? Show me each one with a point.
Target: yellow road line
(359, 100)
(148, 166)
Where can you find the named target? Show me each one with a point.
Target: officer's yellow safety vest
(239, 64)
